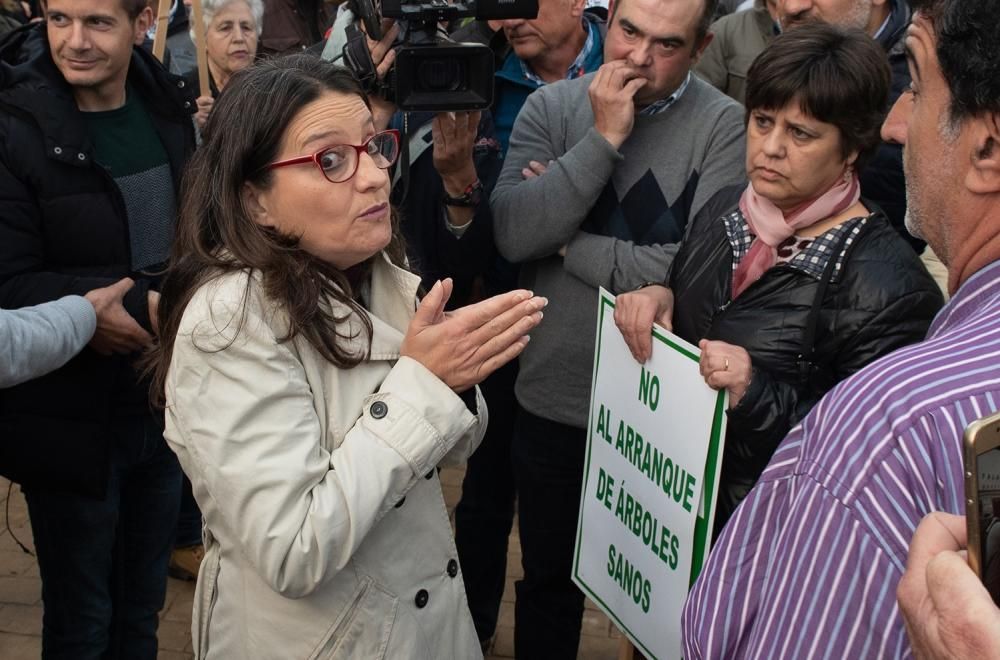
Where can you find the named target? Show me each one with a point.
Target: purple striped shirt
(809, 563)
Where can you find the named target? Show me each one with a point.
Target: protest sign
(654, 451)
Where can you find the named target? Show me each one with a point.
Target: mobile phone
(982, 500)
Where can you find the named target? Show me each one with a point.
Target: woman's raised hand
(725, 367)
(465, 346)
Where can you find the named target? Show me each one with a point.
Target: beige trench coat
(326, 533)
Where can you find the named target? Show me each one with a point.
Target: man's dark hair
(704, 21)
(132, 7)
(217, 233)
(837, 75)
(968, 49)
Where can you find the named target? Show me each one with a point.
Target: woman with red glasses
(309, 395)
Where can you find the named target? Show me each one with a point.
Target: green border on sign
(703, 527)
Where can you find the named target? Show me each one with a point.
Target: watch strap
(471, 196)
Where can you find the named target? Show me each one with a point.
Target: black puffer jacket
(883, 299)
(64, 230)
(882, 180)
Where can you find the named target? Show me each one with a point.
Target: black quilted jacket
(883, 299)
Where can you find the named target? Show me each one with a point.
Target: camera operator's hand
(383, 57)
(612, 93)
(454, 133)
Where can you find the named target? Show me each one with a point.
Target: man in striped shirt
(810, 562)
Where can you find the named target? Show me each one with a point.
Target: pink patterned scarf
(771, 226)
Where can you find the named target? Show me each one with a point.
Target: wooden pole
(199, 48)
(162, 21)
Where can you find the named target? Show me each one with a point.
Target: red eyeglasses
(339, 162)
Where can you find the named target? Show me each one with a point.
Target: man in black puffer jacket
(94, 135)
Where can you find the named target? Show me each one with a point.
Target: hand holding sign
(726, 367)
(654, 455)
(635, 313)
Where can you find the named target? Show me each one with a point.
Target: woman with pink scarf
(794, 282)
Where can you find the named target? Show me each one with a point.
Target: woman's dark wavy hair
(837, 75)
(216, 234)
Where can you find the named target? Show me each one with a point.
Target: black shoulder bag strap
(807, 354)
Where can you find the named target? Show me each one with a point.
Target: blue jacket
(512, 87)
(882, 179)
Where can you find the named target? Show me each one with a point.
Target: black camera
(431, 71)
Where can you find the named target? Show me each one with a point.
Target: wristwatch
(471, 196)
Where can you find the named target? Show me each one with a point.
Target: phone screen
(988, 468)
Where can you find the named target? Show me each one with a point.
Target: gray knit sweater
(37, 340)
(620, 214)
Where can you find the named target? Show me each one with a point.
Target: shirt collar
(976, 293)
(884, 25)
(578, 67)
(657, 107)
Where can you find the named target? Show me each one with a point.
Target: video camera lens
(438, 75)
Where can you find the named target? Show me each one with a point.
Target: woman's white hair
(209, 8)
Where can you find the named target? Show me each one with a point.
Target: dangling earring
(848, 173)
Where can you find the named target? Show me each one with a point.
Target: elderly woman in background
(792, 283)
(308, 396)
(232, 28)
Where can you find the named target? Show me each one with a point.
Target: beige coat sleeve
(242, 420)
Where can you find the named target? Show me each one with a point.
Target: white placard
(654, 452)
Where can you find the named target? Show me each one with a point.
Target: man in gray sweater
(602, 177)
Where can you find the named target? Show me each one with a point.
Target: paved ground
(21, 605)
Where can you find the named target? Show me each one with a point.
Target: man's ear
(141, 25)
(255, 204)
(577, 7)
(983, 176)
(699, 51)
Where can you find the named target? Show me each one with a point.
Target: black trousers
(485, 514)
(548, 472)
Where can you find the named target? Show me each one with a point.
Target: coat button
(379, 409)
(452, 568)
(421, 600)
(57, 150)
(180, 84)
(81, 156)
(430, 474)
(400, 502)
